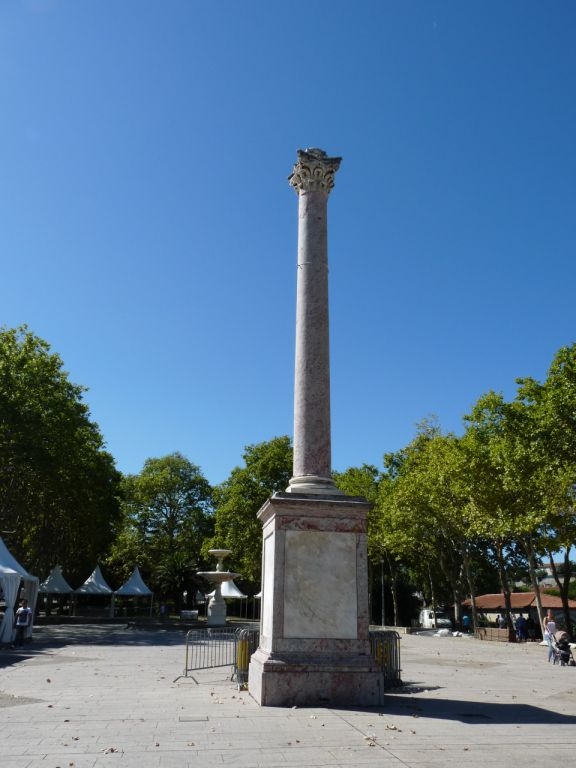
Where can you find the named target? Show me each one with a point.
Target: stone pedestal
(314, 643)
(216, 610)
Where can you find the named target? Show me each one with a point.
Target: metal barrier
(208, 648)
(385, 648)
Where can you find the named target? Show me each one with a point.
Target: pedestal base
(315, 485)
(308, 681)
(216, 614)
(314, 638)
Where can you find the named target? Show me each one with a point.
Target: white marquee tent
(12, 575)
(56, 584)
(229, 589)
(95, 584)
(135, 587)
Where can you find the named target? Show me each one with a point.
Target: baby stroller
(562, 651)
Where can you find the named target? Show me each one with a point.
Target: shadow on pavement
(102, 634)
(473, 712)
(59, 636)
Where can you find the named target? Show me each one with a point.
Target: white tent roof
(8, 572)
(9, 563)
(11, 575)
(229, 589)
(56, 584)
(95, 584)
(134, 586)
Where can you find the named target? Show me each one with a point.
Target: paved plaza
(94, 696)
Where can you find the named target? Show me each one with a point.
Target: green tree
(550, 444)
(504, 509)
(385, 571)
(359, 481)
(58, 486)
(267, 469)
(422, 514)
(167, 515)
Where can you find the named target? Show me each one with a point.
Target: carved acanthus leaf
(314, 170)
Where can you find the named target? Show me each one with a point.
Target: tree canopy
(167, 515)
(58, 485)
(267, 468)
(448, 512)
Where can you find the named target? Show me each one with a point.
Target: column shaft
(312, 442)
(312, 178)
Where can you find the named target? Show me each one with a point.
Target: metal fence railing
(221, 647)
(385, 649)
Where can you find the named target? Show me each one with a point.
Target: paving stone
(100, 697)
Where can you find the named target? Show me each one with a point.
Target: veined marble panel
(268, 589)
(320, 599)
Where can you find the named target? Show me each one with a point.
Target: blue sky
(148, 232)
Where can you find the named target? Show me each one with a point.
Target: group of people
(525, 628)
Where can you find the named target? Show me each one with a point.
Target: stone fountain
(217, 606)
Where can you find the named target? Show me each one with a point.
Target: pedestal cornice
(288, 511)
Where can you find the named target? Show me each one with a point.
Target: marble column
(313, 179)
(314, 632)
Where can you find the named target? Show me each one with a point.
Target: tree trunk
(563, 583)
(432, 595)
(505, 584)
(471, 588)
(529, 549)
(393, 586)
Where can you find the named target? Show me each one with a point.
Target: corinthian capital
(314, 170)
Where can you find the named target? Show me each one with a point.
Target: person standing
(521, 629)
(23, 621)
(549, 632)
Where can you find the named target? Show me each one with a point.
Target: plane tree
(58, 484)
(551, 445)
(505, 508)
(167, 514)
(419, 516)
(364, 481)
(267, 468)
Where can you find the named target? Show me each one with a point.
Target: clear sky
(148, 232)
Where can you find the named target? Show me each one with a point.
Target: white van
(430, 620)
